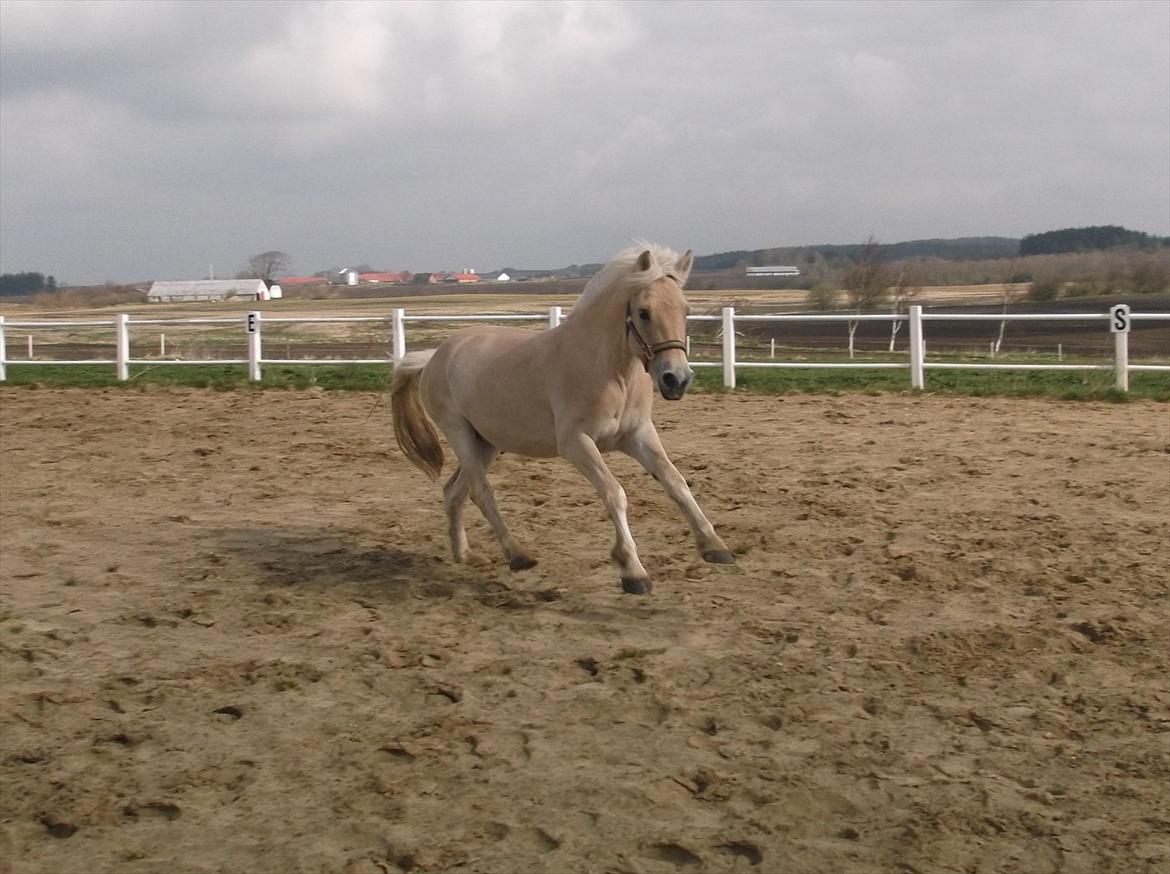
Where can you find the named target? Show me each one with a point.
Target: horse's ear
(683, 266)
(645, 261)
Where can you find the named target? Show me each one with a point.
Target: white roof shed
(179, 291)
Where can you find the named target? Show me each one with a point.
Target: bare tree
(1009, 293)
(867, 282)
(903, 292)
(822, 298)
(267, 266)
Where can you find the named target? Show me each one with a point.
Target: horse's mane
(621, 272)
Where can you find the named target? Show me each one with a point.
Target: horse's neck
(598, 330)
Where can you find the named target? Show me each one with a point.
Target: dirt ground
(231, 640)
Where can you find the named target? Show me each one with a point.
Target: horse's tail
(413, 428)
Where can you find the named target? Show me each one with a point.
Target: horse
(578, 390)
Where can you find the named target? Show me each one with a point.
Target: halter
(648, 351)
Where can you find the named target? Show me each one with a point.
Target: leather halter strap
(648, 351)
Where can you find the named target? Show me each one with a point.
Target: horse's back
(495, 378)
(479, 358)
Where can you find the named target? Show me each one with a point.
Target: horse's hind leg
(475, 457)
(454, 496)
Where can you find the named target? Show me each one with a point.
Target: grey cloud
(145, 140)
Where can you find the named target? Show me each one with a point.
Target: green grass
(1075, 385)
(220, 377)
(1066, 385)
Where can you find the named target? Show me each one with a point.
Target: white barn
(779, 270)
(186, 290)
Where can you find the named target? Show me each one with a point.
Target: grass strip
(1065, 385)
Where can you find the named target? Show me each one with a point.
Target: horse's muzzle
(673, 384)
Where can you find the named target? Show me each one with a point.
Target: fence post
(252, 324)
(3, 353)
(554, 317)
(397, 334)
(122, 343)
(917, 348)
(1119, 325)
(729, 347)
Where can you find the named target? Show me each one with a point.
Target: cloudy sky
(145, 140)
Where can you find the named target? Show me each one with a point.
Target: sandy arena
(232, 641)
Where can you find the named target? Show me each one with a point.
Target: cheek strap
(647, 351)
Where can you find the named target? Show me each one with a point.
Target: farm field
(472, 302)
(231, 640)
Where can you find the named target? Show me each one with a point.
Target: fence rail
(1119, 317)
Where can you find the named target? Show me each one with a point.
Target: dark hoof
(637, 587)
(521, 562)
(718, 556)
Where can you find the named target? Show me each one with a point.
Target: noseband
(648, 351)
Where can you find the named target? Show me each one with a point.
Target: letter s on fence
(1119, 319)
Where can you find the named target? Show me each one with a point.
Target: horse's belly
(493, 381)
(518, 443)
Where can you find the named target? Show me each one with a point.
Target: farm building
(182, 291)
(399, 277)
(467, 276)
(773, 271)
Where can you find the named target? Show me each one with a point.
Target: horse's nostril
(669, 380)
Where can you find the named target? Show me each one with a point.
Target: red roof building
(401, 276)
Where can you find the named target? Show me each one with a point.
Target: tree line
(1095, 238)
(16, 284)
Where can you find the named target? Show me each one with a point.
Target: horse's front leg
(645, 446)
(582, 452)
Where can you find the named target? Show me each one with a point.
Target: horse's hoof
(718, 556)
(632, 586)
(521, 562)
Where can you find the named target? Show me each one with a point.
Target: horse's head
(656, 323)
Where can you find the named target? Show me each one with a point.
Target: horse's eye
(644, 315)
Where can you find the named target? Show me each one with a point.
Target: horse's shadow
(315, 560)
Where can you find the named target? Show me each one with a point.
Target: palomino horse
(578, 390)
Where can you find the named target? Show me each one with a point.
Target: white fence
(1119, 319)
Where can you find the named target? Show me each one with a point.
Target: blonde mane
(621, 272)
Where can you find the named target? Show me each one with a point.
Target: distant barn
(392, 278)
(467, 276)
(185, 291)
(773, 271)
